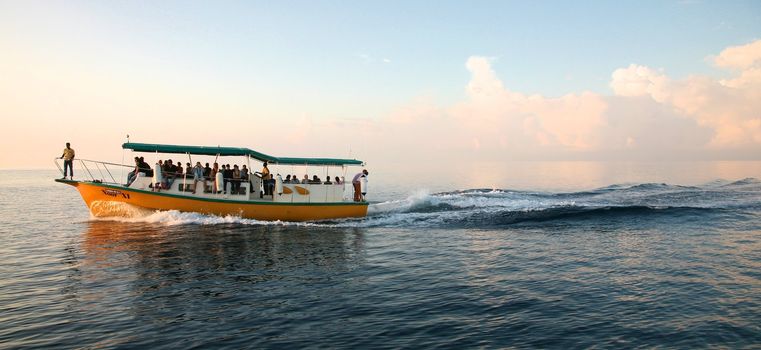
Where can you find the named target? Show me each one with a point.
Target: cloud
(740, 57)
(730, 107)
(511, 118)
(638, 80)
(638, 121)
(650, 115)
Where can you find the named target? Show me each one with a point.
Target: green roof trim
(235, 151)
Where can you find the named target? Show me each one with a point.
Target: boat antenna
(121, 168)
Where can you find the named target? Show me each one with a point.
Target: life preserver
(220, 180)
(158, 177)
(279, 184)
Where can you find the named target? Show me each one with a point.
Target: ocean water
(603, 262)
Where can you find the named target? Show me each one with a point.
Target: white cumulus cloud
(648, 115)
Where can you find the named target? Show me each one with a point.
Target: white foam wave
(174, 217)
(417, 199)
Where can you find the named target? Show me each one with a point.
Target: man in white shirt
(358, 185)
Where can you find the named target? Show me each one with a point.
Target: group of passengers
(170, 171)
(230, 175)
(315, 180)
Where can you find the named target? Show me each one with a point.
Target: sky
(387, 82)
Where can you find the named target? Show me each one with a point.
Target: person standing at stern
(68, 161)
(356, 182)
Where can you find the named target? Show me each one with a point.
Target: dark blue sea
(619, 265)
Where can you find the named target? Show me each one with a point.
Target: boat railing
(98, 171)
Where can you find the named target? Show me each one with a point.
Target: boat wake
(490, 208)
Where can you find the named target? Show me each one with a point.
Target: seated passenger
(305, 180)
(169, 168)
(179, 170)
(197, 173)
(227, 175)
(338, 181)
(244, 173)
(133, 174)
(327, 181)
(235, 180)
(207, 171)
(168, 179)
(294, 179)
(188, 171)
(147, 167)
(287, 179)
(315, 180)
(245, 177)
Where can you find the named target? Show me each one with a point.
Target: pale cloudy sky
(391, 81)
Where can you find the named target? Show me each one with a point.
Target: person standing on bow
(356, 182)
(68, 161)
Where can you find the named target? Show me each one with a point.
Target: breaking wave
(489, 208)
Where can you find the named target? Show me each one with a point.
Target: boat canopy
(235, 151)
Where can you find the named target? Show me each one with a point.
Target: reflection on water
(196, 250)
(157, 276)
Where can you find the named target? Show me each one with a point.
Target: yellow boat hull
(96, 195)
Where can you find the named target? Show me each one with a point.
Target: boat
(256, 198)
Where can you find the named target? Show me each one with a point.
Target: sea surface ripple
(622, 266)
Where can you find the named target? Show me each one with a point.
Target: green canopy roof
(235, 151)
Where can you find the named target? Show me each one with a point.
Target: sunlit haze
(388, 83)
